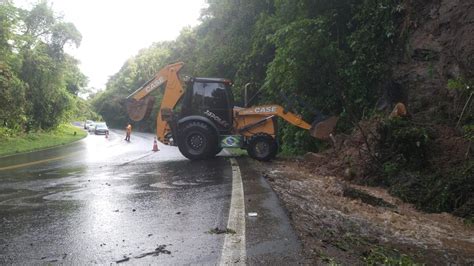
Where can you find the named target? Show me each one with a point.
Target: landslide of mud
(340, 222)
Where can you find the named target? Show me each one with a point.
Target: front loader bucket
(322, 129)
(137, 110)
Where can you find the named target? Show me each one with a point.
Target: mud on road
(340, 222)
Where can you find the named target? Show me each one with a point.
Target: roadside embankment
(64, 134)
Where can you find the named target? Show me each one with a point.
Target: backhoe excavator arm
(277, 110)
(320, 129)
(138, 102)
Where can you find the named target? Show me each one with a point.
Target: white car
(101, 128)
(87, 123)
(91, 127)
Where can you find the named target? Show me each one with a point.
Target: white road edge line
(233, 251)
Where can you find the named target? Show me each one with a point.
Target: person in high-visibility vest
(129, 132)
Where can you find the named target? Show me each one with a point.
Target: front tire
(197, 141)
(262, 147)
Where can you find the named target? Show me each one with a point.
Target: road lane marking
(138, 158)
(35, 162)
(64, 157)
(233, 251)
(111, 143)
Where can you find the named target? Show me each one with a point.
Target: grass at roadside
(64, 134)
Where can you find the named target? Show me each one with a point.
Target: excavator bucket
(137, 110)
(323, 128)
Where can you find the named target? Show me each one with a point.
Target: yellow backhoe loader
(198, 115)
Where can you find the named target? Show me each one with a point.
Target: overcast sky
(114, 30)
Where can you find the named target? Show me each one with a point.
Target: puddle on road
(86, 193)
(204, 180)
(182, 183)
(39, 185)
(111, 175)
(162, 185)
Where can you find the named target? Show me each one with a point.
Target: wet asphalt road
(105, 200)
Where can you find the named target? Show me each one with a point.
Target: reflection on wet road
(103, 200)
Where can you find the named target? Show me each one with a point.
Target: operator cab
(211, 98)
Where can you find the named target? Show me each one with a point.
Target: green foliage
(469, 221)
(404, 153)
(306, 62)
(73, 78)
(333, 51)
(383, 256)
(460, 84)
(8, 20)
(24, 142)
(6, 133)
(112, 108)
(300, 139)
(403, 143)
(463, 90)
(12, 94)
(82, 110)
(37, 78)
(262, 51)
(451, 192)
(49, 99)
(391, 168)
(469, 132)
(371, 43)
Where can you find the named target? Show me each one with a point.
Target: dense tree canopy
(39, 82)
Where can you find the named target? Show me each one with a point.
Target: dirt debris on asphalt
(218, 231)
(340, 222)
(161, 249)
(123, 260)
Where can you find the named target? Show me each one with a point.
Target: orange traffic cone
(155, 145)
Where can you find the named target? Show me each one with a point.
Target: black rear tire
(197, 141)
(262, 147)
